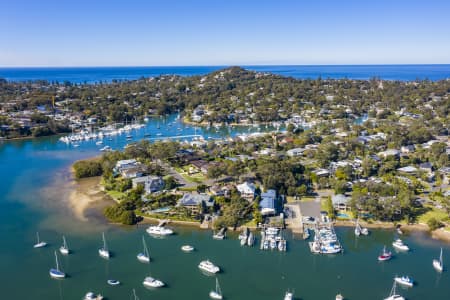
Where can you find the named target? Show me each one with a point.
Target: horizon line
(221, 65)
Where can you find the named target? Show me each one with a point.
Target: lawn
(115, 195)
(433, 213)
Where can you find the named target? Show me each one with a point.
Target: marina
(325, 240)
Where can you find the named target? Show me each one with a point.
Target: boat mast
(64, 242)
(218, 291)
(145, 247)
(57, 264)
(37, 235)
(104, 242)
(440, 258)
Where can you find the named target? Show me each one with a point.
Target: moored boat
(393, 295)
(208, 266)
(289, 296)
(113, 282)
(404, 280)
(64, 249)
(144, 256)
(159, 230)
(152, 282)
(385, 255)
(103, 251)
(217, 293)
(39, 243)
(56, 272)
(92, 296)
(399, 245)
(438, 265)
(187, 248)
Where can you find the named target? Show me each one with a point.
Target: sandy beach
(87, 193)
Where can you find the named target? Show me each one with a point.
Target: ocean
(107, 74)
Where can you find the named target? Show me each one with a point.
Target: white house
(247, 190)
(295, 152)
(151, 183)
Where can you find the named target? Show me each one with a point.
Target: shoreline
(88, 193)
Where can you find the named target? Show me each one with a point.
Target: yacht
(39, 243)
(404, 280)
(144, 256)
(438, 264)
(364, 231)
(92, 296)
(217, 294)
(56, 272)
(339, 297)
(209, 267)
(393, 295)
(385, 255)
(152, 282)
(64, 249)
(357, 229)
(104, 252)
(113, 282)
(289, 296)
(187, 248)
(399, 245)
(159, 230)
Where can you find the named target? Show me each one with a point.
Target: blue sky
(222, 32)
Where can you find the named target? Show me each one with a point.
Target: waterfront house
(195, 202)
(247, 190)
(267, 203)
(295, 152)
(340, 202)
(151, 184)
(132, 172)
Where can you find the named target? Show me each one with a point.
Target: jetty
(325, 240)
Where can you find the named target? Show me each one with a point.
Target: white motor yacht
(209, 267)
(152, 282)
(404, 280)
(399, 245)
(159, 230)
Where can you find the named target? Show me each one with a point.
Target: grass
(115, 195)
(250, 223)
(432, 213)
(308, 199)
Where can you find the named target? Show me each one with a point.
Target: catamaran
(56, 272)
(385, 255)
(144, 256)
(208, 266)
(438, 264)
(217, 294)
(104, 252)
(393, 295)
(64, 249)
(39, 243)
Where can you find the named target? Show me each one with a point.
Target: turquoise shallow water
(34, 183)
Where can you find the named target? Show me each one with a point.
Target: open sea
(34, 187)
(107, 74)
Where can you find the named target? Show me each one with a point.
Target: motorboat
(438, 264)
(385, 255)
(393, 295)
(289, 296)
(144, 256)
(217, 293)
(103, 251)
(208, 266)
(364, 231)
(39, 244)
(113, 282)
(64, 249)
(56, 272)
(159, 230)
(187, 248)
(152, 282)
(404, 280)
(399, 245)
(92, 296)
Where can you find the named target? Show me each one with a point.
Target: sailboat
(56, 272)
(104, 252)
(438, 264)
(39, 243)
(385, 255)
(64, 249)
(134, 295)
(144, 256)
(217, 294)
(393, 295)
(357, 229)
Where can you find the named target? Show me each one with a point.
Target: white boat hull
(40, 245)
(215, 295)
(142, 258)
(57, 274)
(403, 282)
(104, 253)
(64, 251)
(437, 265)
